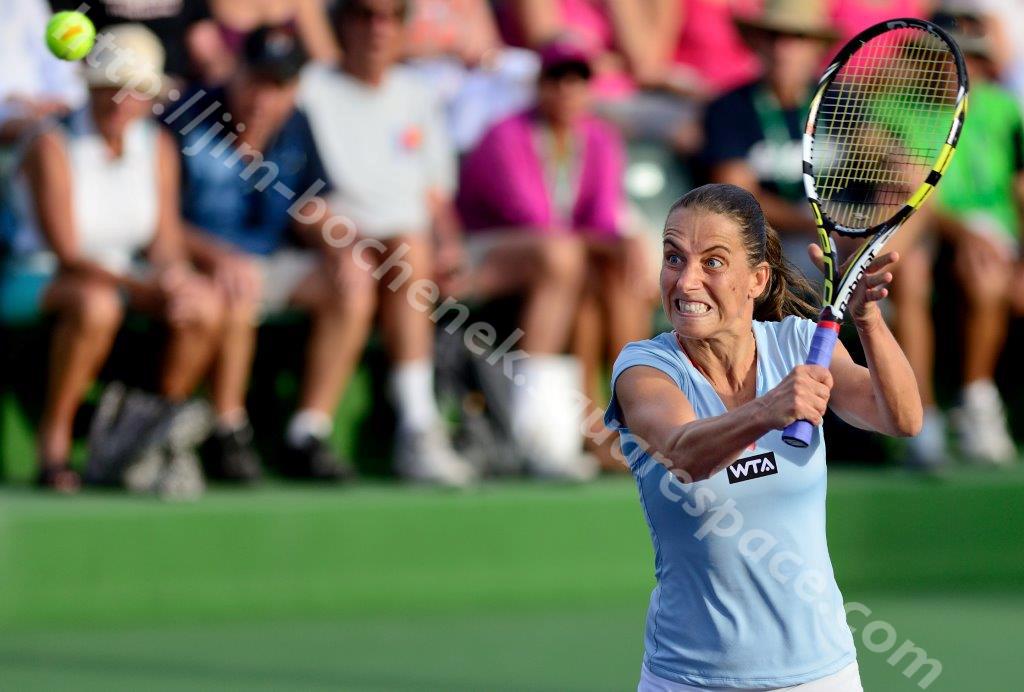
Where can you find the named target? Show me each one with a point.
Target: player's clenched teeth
(691, 307)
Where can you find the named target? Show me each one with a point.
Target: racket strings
(881, 155)
(881, 125)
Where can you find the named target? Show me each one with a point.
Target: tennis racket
(881, 131)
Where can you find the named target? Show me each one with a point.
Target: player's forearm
(897, 409)
(701, 448)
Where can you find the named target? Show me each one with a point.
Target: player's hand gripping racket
(881, 130)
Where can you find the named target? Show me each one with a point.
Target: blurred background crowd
(451, 184)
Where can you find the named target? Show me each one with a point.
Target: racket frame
(836, 294)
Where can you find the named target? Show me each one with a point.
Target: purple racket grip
(798, 433)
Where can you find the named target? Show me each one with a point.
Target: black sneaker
(230, 456)
(315, 460)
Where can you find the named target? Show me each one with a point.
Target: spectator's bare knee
(355, 298)
(93, 307)
(563, 261)
(360, 303)
(913, 280)
(239, 313)
(985, 293)
(211, 318)
(207, 312)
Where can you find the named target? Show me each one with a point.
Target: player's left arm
(882, 397)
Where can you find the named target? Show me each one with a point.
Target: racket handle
(798, 433)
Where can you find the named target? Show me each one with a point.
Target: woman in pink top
(850, 17)
(214, 45)
(711, 57)
(626, 39)
(541, 196)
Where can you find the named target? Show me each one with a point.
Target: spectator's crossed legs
(88, 313)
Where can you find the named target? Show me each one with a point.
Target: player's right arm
(694, 449)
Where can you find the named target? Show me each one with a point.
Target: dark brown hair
(787, 292)
(344, 9)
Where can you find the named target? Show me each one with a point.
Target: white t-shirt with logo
(384, 146)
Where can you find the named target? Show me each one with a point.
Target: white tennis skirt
(845, 680)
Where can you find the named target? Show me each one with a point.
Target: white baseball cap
(127, 56)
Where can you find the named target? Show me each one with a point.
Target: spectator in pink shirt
(631, 44)
(850, 17)
(621, 36)
(710, 56)
(542, 199)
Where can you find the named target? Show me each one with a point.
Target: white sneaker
(981, 426)
(182, 479)
(579, 468)
(428, 457)
(171, 468)
(170, 474)
(547, 417)
(144, 474)
(926, 451)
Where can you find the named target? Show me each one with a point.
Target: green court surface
(510, 587)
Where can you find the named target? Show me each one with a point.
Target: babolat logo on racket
(752, 467)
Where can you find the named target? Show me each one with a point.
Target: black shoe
(315, 460)
(229, 456)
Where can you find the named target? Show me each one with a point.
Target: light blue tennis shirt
(745, 593)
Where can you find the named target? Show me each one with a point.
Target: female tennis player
(745, 595)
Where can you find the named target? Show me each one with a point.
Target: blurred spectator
(1017, 289)
(543, 190)
(454, 46)
(214, 46)
(463, 29)
(710, 55)
(979, 207)
(850, 17)
(754, 133)
(172, 21)
(241, 238)
(33, 85)
(93, 198)
(631, 43)
(1002, 23)
(383, 141)
(628, 40)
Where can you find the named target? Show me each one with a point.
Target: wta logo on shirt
(749, 468)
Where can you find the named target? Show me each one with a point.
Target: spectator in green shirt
(978, 210)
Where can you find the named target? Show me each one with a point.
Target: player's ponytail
(787, 292)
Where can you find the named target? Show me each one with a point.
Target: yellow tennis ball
(70, 35)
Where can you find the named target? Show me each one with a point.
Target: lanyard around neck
(770, 115)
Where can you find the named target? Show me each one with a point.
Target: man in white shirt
(1002, 22)
(33, 83)
(381, 135)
